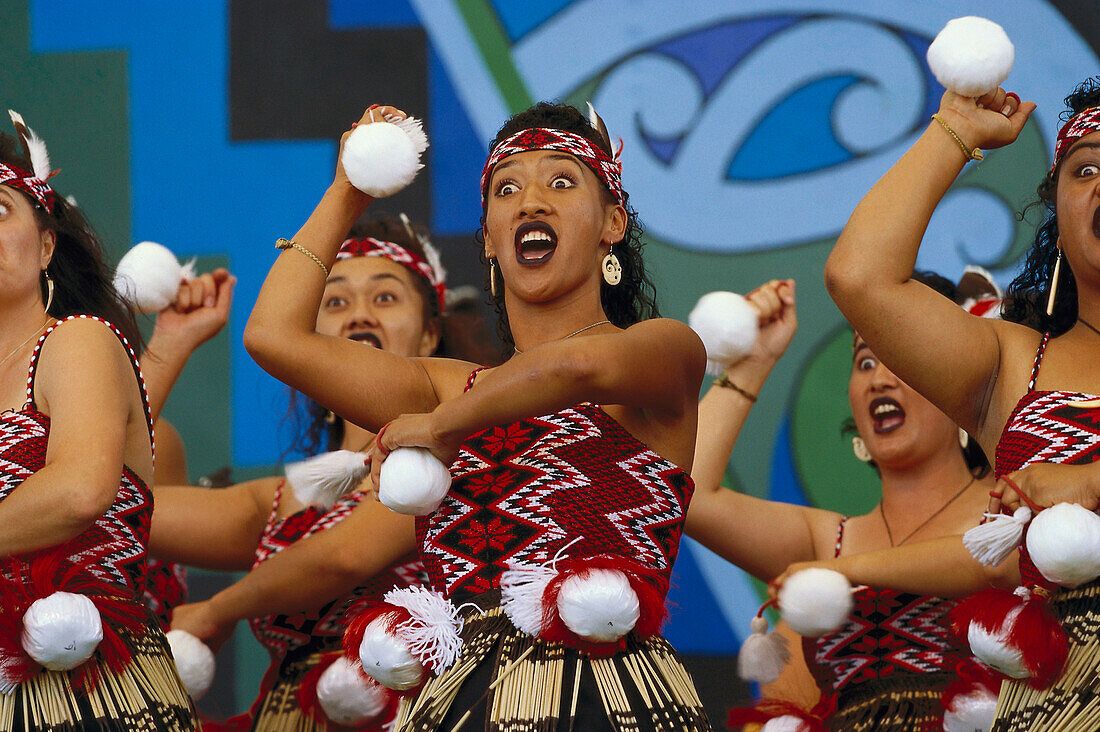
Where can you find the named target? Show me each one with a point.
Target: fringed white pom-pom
(763, 655)
(322, 479)
(62, 630)
(194, 661)
(521, 593)
(786, 723)
(994, 649)
(973, 712)
(433, 634)
(149, 276)
(386, 658)
(413, 481)
(728, 326)
(991, 543)
(971, 56)
(346, 697)
(599, 605)
(1064, 544)
(815, 601)
(382, 158)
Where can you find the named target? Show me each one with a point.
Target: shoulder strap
(1038, 360)
(133, 362)
(473, 375)
(839, 536)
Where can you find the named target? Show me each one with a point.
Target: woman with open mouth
(1027, 394)
(886, 668)
(307, 559)
(569, 461)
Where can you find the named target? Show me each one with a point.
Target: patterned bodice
(320, 630)
(113, 549)
(574, 480)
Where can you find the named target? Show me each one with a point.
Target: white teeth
(535, 236)
(885, 409)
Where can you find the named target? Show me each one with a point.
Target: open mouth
(364, 337)
(887, 415)
(535, 243)
(1096, 222)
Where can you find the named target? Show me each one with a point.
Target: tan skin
(85, 384)
(368, 298)
(423, 399)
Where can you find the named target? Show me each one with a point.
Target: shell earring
(1054, 283)
(860, 450)
(612, 270)
(49, 290)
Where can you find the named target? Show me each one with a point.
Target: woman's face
(899, 426)
(376, 301)
(24, 250)
(1078, 207)
(548, 224)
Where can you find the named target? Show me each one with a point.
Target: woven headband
(36, 188)
(607, 169)
(368, 247)
(1081, 124)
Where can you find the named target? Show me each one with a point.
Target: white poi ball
(382, 158)
(346, 697)
(149, 276)
(1064, 543)
(973, 712)
(62, 631)
(971, 56)
(728, 326)
(599, 605)
(993, 649)
(387, 659)
(786, 723)
(413, 481)
(194, 662)
(815, 601)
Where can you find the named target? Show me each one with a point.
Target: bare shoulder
(672, 335)
(82, 342)
(447, 375)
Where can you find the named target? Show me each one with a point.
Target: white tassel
(815, 601)
(433, 634)
(973, 712)
(728, 326)
(763, 655)
(194, 661)
(61, 631)
(149, 276)
(971, 56)
(40, 156)
(1064, 544)
(521, 593)
(431, 254)
(382, 158)
(386, 658)
(991, 543)
(412, 481)
(322, 479)
(346, 697)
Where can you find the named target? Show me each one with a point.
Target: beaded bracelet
(724, 380)
(288, 244)
(971, 154)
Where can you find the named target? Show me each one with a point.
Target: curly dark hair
(1026, 297)
(634, 299)
(463, 335)
(82, 281)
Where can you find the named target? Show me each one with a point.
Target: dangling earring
(860, 449)
(49, 290)
(493, 277)
(612, 270)
(964, 438)
(1054, 283)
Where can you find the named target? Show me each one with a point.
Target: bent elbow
(89, 503)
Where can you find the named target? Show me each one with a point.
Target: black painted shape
(1085, 19)
(292, 77)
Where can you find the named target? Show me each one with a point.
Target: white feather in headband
(382, 158)
(35, 147)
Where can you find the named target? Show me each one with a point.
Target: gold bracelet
(724, 380)
(971, 154)
(288, 244)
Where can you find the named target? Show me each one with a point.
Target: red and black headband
(34, 182)
(432, 272)
(1079, 125)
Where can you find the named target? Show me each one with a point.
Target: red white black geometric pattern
(573, 480)
(35, 187)
(1081, 124)
(1048, 427)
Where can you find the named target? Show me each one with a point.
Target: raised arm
(948, 356)
(366, 385)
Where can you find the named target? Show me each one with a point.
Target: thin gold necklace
(890, 535)
(576, 332)
(16, 349)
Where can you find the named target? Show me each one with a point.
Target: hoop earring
(493, 277)
(1054, 283)
(964, 438)
(49, 290)
(612, 270)
(860, 450)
